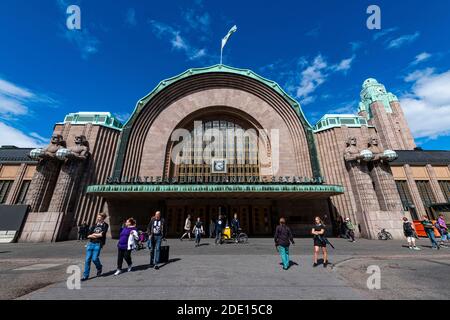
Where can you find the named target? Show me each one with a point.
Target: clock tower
(382, 110)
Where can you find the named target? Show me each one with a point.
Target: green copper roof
(101, 118)
(225, 69)
(329, 121)
(373, 91)
(214, 69)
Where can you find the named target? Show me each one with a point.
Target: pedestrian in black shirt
(318, 231)
(97, 239)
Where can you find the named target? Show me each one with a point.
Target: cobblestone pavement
(230, 271)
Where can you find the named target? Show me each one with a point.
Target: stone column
(42, 185)
(366, 198)
(385, 187)
(414, 191)
(65, 194)
(435, 187)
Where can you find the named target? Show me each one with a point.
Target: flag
(225, 39)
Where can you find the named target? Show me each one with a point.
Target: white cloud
(421, 58)
(13, 136)
(403, 40)
(312, 77)
(13, 99)
(344, 65)
(427, 106)
(16, 102)
(315, 74)
(419, 74)
(179, 43)
(384, 32)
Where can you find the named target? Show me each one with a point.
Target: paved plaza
(230, 272)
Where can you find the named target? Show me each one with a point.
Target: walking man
(198, 231)
(235, 226)
(187, 228)
(157, 233)
(429, 229)
(283, 238)
(97, 239)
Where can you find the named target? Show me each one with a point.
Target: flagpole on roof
(225, 39)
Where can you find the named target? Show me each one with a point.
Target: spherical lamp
(390, 155)
(366, 155)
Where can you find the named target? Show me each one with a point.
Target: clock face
(219, 166)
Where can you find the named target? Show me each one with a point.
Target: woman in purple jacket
(127, 242)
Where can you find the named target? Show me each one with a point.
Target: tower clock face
(219, 166)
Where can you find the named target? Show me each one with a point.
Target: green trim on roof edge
(126, 129)
(225, 69)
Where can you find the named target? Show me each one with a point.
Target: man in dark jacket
(157, 233)
(283, 238)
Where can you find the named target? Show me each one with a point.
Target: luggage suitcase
(164, 254)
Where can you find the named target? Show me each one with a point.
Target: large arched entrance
(256, 156)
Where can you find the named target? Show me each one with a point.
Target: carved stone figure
(380, 154)
(376, 149)
(352, 152)
(81, 149)
(56, 143)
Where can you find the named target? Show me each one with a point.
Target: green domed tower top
(373, 91)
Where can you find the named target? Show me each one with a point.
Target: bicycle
(240, 237)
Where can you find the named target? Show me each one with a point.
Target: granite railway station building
(364, 166)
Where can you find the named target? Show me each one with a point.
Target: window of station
(23, 192)
(332, 121)
(5, 187)
(445, 186)
(405, 197)
(426, 194)
(347, 121)
(237, 145)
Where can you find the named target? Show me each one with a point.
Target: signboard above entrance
(222, 179)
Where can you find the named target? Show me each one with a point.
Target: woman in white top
(187, 228)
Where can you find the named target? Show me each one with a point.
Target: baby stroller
(143, 238)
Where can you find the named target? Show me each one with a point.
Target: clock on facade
(219, 166)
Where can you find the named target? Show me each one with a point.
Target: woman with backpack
(318, 231)
(127, 242)
(410, 234)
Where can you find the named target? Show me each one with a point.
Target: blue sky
(319, 51)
